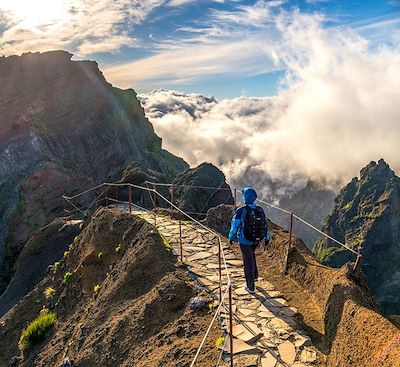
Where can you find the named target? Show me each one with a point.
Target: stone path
(265, 333)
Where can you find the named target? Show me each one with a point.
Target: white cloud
(192, 62)
(227, 42)
(80, 26)
(338, 112)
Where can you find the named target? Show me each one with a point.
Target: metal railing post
(180, 239)
(230, 325)
(172, 195)
(154, 199)
(358, 259)
(290, 229)
(234, 198)
(130, 198)
(116, 196)
(220, 271)
(155, 220)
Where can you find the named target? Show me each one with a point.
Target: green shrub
(36, 331)
(166, 243)
(67, 277)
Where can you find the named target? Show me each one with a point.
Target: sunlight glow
(30, 14)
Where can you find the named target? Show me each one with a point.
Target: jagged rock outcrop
(63, 128)
(367, 214)
(199, 200)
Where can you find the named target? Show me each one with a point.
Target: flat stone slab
(266, 343)
(241, 292)
(268, 360)
(245, 360)
(287, 352)
(266, 314)
(234, 262)
(308, 356)
(240, 332)
(214, 266)
(239, 346)
(199, 256)
(277, 324)
(246, 311)
(302, 341)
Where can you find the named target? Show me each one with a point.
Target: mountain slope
(367, 214)
(124, 303)
(63, 128)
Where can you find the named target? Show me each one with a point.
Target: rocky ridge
(367, 216)
(63, 128)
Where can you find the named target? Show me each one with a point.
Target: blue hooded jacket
(249, 196)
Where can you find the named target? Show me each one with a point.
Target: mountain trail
(264, 325)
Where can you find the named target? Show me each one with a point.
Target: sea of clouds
(337, 109)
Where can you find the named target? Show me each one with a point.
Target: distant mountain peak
(367, 214)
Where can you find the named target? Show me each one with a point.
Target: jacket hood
(249, 195)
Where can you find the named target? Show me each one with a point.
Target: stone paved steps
(265, 331)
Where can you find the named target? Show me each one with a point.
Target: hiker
(249, 225)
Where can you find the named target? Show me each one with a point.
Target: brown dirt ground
(140, 315)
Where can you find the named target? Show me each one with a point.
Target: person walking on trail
(249, 225)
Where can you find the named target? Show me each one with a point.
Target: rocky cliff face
(64, 128)
(312, 203)
(213, 189)
(367, 214)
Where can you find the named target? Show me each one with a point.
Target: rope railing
(273, 206)
(191, 186)
(221, 255)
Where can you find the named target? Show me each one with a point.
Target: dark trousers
(249, 264)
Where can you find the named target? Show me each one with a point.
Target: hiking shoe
(249, 290)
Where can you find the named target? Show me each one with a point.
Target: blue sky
(221, 48)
